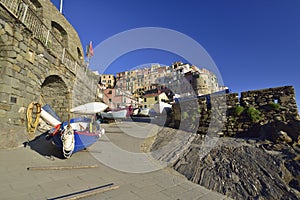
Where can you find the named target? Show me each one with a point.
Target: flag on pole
(89, 50)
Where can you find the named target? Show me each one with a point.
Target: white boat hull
(49, 118)
(144, 111)
(121, 114)
(89, 108)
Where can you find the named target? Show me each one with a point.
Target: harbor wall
(231, 115)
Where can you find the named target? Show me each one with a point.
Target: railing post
(63, 55)
(48, 32)
(25, 12)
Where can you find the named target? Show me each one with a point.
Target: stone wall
(51, 14)
(33, 69)
(226, 114)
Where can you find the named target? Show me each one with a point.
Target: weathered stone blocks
(25, 64)
(269, 105)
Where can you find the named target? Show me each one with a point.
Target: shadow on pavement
(44, 147)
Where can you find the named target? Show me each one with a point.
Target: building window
(79, 54)
(109, 92)
(109, 100)
(145, 99)
(60, 33)
(145, 106)
(13, 99)
(156, 98)
(37, 7)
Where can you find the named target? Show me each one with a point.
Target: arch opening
(36, 6)
(54, 92)
(60, 33)
(79, 54)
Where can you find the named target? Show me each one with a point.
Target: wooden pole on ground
(86, 193)
(62, 167)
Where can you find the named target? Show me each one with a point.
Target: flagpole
(61, 5)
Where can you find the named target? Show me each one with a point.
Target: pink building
(117, 98)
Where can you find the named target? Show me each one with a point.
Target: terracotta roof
(151, 95)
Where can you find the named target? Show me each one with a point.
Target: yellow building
(108, 80)
(153, 98)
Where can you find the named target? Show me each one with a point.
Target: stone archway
(55, 93)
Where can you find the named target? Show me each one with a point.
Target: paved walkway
(17, 182)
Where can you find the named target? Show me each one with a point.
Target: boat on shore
(76, 135)
(144, 112)
(119, 114)
(89, 108)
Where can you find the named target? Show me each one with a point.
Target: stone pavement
(17, 182)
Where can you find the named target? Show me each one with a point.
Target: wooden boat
(50, 119)
(135, 112)
(119, 114)
(144, 112)
(89, 108)
(78, 135)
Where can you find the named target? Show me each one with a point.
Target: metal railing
(20, 10)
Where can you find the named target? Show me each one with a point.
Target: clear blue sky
(255, 44)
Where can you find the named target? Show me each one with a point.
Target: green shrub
(274, 106)
(193, 119)
(239, 110)
(185, 115)
(255, 115)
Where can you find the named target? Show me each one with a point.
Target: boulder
(282, 136)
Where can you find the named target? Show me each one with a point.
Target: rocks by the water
(239, 168)
(282, 136)
(243, 171)
(259, 161)
(277, 132)
(170, 144)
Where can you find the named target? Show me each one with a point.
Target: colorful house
(117, 98)
(151, 99)
(108, 80)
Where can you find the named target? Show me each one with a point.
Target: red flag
(89, 50)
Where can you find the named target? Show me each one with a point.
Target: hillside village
(256, 156)
(145, 87)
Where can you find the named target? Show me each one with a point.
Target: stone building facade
(41, 60)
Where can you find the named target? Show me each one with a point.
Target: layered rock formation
(244, 170)
(241, 168)
(247, 148)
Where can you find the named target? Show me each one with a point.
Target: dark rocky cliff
(247, 148)
(244, 169)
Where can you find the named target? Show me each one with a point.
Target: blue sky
(255, 44)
